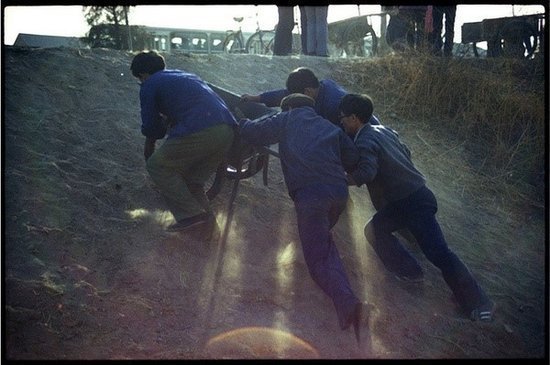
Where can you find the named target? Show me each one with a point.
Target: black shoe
(187, 223)
(359, 318)
(483, 313)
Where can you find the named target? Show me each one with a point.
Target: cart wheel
(261, 42)
(233, 44)
(250, 167)
(518, 39)
(227, 171)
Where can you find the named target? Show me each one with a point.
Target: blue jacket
(188, 103)
(385, 165)
(326, 104)
(312, 150)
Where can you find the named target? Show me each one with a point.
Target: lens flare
(259, 343)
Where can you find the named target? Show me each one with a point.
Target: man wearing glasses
(385, 166)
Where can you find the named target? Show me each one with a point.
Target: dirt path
(90, 273)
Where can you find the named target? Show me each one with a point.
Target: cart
(513, 37)
(353, 37)
(243, 160)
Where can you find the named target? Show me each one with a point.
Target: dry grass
(496, 107)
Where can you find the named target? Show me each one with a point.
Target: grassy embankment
(494, 107)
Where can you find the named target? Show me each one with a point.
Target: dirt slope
(89, 272)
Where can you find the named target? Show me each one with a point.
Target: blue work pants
(318, 207)
(317, 30)
(417, 214)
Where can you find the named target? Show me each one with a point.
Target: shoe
(358, 319)
(187, 223)
(417, 278)
(483, 313)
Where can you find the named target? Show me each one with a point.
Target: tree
(100, 36)
(112, 18)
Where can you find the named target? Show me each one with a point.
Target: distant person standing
(303, 26)
(317, 30)
(449, 12)
(282, 44)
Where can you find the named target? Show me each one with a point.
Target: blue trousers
(417, 214)
(318, 208)
(317, 30)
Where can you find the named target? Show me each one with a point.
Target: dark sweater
(385, 165)
(312, 150)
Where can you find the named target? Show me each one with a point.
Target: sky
(69, 20)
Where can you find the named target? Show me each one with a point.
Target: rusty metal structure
(243, 160)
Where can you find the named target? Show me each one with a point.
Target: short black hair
(296, 100)
(147, 62)
(301, 78)
(358, 104)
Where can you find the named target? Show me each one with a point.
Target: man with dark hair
(199, 130)
(326, 93)
(385, 166)
(314, 157)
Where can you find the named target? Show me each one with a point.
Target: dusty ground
(90, 273)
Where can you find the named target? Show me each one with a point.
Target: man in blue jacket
(314, 156)
(199, 129)
(326, 93)
(385, 166)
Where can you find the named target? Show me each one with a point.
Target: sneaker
(187, 223)
(483, 313)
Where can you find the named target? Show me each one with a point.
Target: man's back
(385, 164)
(188, 103)
(312, 149)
